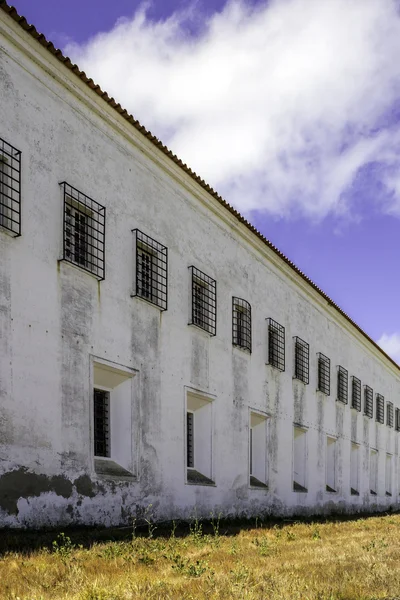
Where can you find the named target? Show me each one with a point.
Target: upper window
(241, 324)
(355, 393)
(10, 188)
(342, 385)
(151, 270)
(368, 401)
(276, 345)
(380, 408)
(301, 359)
(204, 301)
(324, 374)
(389, 414)
(84, 231)
(397, 419)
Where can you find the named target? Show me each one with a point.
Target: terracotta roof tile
(123, 112)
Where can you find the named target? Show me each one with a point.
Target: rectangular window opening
(373, 472)
(389, 414)
(190, 440)
(276, 344)
(301, 360)
(151, 270)
(101, 423)
(84, 231)
(388, 475)
(354, 470)
(380, 408)
(324, 374)
(204, 301)
(199, 432)
(356, 393)
(241, 323)
(342, 385)
(299, 459)
(397, 419)
(368, 401)
(330, 464)
(10, 188)
(258, 450)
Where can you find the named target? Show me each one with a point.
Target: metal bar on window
(101, 423)
(190, 440)
(204, 301)
(241, 323)
(324, 374)
(342, 384)
(301, 360)
(151, 270)
(355, 393)
(276, 344)
(10, 188)
(84, 222)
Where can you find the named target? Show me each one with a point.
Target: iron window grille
(324, 374)
(151, 270)
(380, 408)
(101, 423)
(276, 345)
(389, 414)
(368, 401)
(204, 301)
(10, 188)
(84, 231)
(301, 360)
(190, 440)
(397, 419)
(241, 323)
(356, 393)
(342, 385)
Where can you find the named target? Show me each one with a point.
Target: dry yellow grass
(347, 560)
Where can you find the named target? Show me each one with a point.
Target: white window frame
(258, 419)
(116, 374)
(331, 464)
(302, 431)
(203, 461)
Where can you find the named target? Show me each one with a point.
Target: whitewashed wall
(54, 318)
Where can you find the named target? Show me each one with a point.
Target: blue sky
(288, 108)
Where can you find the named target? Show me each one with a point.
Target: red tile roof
(31, 29)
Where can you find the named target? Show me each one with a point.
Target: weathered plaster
(54, 319)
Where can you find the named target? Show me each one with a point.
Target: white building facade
(154, 348)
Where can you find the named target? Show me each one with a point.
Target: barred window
(276, 345)
(342, 385)
(389, 414)
(10, 188)
(151, 270)
(380, 408)
(301, 360)
(397, 419)
(204, 301)
(101, 423)
(368, 401)
(84, 231)
(241, 323)
(324, 374)
(190, 440)
(355, 393)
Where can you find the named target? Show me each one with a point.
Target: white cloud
(278, 106)
(390, 343)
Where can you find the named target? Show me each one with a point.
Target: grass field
(350, 559)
